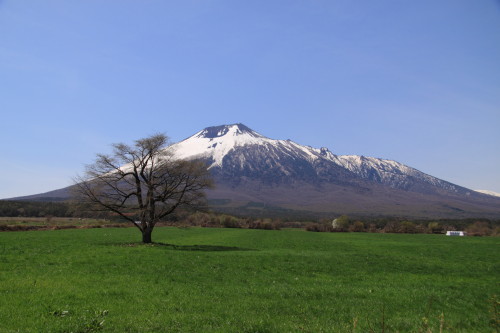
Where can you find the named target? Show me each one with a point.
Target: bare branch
(143, 181)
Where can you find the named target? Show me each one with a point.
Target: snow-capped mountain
(231, 149)
(253, 172)
(251, 168)
(219, 141)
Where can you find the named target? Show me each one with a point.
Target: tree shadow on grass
(204, 248)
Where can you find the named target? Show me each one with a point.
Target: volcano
(255, 174)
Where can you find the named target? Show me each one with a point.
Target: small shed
(456, 233)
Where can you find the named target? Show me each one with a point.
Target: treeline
(46, 209)
(344, 223)
(220, 220)
(36, 209)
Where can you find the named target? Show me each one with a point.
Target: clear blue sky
(413, 81)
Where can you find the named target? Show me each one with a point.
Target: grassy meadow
(240, 280)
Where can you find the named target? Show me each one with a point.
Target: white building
(456, 233)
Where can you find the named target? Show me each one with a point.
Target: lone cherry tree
(142, 183)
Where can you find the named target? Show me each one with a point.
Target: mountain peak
(216, 142)
(223, 130)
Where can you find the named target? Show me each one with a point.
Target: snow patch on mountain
(389, 172)
(495, 194)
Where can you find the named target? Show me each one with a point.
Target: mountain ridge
(231, 139)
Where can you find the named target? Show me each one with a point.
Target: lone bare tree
(142, 183)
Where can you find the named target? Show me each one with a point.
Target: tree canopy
(143, 182)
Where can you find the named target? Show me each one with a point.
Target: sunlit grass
(234, 280)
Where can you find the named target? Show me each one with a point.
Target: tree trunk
(146, 235)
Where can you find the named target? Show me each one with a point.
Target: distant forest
(37, 209)
(255, 216)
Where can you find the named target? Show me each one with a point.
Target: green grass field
(238, 280)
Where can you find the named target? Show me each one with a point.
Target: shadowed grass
(190, 247)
